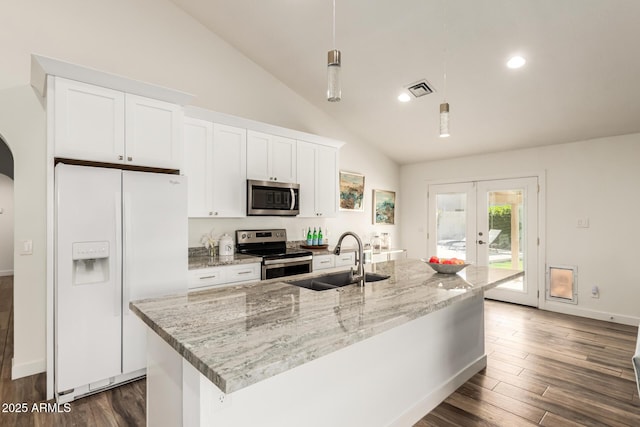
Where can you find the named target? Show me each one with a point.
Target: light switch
(583, 222)
(27, 247)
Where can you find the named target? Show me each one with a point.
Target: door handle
(480, 242)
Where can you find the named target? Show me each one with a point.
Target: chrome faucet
(359, 261)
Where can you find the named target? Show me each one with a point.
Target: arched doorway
(6, 254)
(6, 210)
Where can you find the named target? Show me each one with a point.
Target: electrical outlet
(222, 401)
(595, 292)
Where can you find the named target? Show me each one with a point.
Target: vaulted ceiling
(580, 80)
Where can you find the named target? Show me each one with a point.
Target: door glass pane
(451, 225)
(506, 238)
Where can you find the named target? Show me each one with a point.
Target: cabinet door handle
(215, 213)
(120, 157)
(244, 272)
(326, 261)
(130, 158)
(210, 213)
(215, 276)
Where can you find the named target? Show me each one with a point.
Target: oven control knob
(244, 235)
(249, 235)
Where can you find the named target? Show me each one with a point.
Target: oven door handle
(272, 262)
(293, 199)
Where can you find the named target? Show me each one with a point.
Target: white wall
(152, 41)
(597, 179)
(22, 125)
(6, 225)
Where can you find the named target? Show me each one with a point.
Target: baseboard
(590, 314)
(19, 370)
(6, 272)
(433, 399)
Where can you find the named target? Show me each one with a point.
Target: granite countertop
(204, 261)
(239, 335)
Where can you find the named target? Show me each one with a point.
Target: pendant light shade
(444, 120)
(334, 89)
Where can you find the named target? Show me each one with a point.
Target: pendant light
(444, 107)
(334, 57)
(444, 120)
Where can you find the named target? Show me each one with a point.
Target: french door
(489, 223)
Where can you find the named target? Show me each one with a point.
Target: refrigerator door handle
(117, 270)
(126, 247)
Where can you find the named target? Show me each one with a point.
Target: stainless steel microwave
(272, 198)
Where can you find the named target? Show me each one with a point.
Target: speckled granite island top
(239, 335)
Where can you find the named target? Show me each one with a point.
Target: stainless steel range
(271, 245)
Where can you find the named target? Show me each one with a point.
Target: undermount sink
(335, 280)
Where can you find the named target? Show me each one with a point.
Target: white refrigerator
(120, 236)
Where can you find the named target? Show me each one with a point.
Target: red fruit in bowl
(447, 261)
(434, 259)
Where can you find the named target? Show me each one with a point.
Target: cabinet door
(88, 122)
(243, 272)
(153, 133)
(282, 159)
(307, 178)
(198, 161)
(317, 176)
(258, 156)
(270, 157)
(320, 262)
(345, 259)
(206, 277)
(229, 171)
(326, 179)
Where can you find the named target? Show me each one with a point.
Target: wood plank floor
(122, 407)
(543, 369)
(547, 369)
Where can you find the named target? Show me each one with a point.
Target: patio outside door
(489, 223)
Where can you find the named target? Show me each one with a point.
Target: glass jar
(376, 243)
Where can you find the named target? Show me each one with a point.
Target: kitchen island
(270, 353)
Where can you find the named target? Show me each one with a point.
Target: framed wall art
(351, 191)
(384, 207)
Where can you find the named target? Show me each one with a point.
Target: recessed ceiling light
(516, 62)
(404, 97)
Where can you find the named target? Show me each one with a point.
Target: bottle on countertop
(320, 238)
(309, 237)
(314, 237)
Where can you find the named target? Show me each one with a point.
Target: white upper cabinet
(104, 125)
(229, 171)
(271, 157)
(317, 176)
(153, 133)
(198, 162)
(88, 122)
(215, 166)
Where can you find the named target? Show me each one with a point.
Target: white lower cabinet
(345, 259)
(320, 262)
(207, 277)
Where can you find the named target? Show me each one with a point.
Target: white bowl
(446, 268)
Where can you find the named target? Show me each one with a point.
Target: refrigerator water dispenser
(90, 262)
